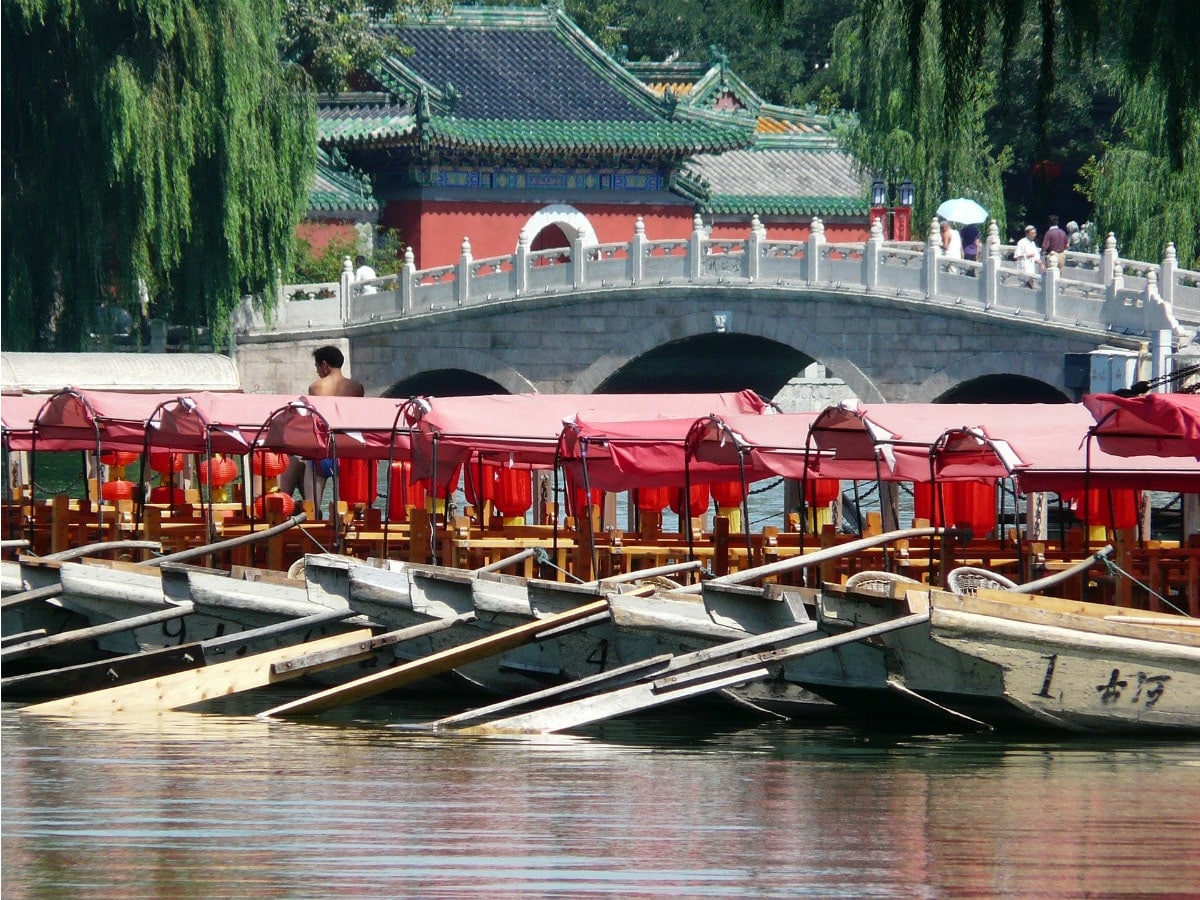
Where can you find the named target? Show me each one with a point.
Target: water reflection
(228, 805)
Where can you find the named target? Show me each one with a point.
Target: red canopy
(1150, 425)
(770, 445)
(359, 427)
(523, 429)
(75, 419)
(17, 412)
(655, 453)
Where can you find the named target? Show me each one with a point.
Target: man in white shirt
(364, 273)
(1028, 255)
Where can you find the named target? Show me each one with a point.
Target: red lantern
(264, 462)
(116, 490)
(698, 500)
(653, 499)
(164, 462)
(820, 492)
(728, 493)
(403, 492)
(287, 500)
(513, 491)
(118, 457)
(356, 481)
(164, 493)
(218, 471)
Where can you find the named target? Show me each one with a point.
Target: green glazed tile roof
(337, 187)
(364, 125)
(675, 138)
(520, 80)
(779, 180)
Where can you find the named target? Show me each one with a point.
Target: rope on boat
(320, 546)
(1114, 569)
(542, 558)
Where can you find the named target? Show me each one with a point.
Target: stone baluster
(871, 254)
(521, 265)
(696, 248)
(1159, 323)
(344, 282)
(578, 262)
(637, 252)
(1113, 279)
(754, 247)
(462, 283)
(991, 267)
(1166, 283)
(1049, 296)
(933, 250)
(408, 278)
(812, 257)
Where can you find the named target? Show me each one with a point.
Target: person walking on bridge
(1028, 256)
(1055, 241)
(311, 475)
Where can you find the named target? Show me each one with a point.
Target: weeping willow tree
(1141, 194)
(913, 132)
(156, 160)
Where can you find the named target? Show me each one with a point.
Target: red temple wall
(435, 229)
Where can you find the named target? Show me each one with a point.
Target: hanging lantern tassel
(729, 496)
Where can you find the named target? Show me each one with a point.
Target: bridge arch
(462, 372)
(1007, 377)
(803, 343)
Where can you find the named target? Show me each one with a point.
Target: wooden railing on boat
(1159, 576)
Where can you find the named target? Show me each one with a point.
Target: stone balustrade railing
(1096, 292)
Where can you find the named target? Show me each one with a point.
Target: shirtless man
(330, 383)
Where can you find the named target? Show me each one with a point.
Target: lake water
(697, 804)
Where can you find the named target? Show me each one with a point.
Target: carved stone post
(871, 254)
(1050, 286)
(521, 265)
(754, 247)
(408, 277)
(991, 267)
(1159, 322)
(578, 262)
(344, 282)
(1113, 280)
(1166, 282)
(637, 251)
(933, 250)
(696, 248)
(812, 257)
(462, 283)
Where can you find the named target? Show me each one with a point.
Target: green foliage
(156, 154)
(331, 38)
(315, 267)
(902, 133)
(777, 56)
(1140, 193)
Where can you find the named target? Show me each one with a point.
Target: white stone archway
(574, 224)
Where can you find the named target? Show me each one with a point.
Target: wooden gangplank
(434, 664)
(133, 667)
(690, 675)
(208, 682)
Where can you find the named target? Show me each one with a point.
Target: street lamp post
(895, 217)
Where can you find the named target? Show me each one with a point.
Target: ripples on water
(188, 805)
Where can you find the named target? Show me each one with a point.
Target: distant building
(511, 121)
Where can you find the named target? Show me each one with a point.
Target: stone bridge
(879, 320)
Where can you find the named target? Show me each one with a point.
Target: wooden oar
(208, 682)
(435, 664)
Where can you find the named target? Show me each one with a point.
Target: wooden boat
(1075, 666)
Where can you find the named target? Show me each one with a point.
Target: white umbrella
(962, 210)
